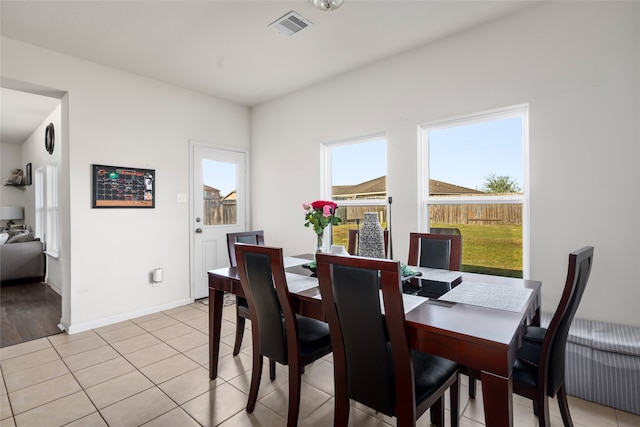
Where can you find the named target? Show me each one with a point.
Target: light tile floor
(153, 371)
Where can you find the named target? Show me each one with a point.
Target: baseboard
(98, 323)
(56, 289)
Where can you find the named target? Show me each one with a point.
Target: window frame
(40, 191)
(47, 210)
(426, 200)
(52, 210)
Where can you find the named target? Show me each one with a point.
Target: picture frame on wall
(123, 187)
(27, 174)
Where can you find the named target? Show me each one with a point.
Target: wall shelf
(21, 187)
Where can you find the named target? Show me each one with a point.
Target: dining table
(479, 324)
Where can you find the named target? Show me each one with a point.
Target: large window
(356, 179)
(475, 184)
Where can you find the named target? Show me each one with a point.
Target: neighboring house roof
(378, 187)
(207, 188)
(440, 188)
(231, 196)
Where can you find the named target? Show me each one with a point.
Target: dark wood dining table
(483, 340)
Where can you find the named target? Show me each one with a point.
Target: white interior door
(218, 208)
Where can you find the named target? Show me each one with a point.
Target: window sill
(52, 254)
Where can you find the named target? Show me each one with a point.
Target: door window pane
(219, 194)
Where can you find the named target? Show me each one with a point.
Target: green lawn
(490, 249)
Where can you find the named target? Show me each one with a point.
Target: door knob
(198, 230)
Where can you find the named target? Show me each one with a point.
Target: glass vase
(320, 243)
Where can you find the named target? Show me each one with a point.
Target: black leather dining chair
(242, 308)
(431, 250)
(277, 332)
(373, 363)
(538, 372)
(443, 251)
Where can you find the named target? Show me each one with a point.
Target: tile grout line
(154, 385)
(107, 343)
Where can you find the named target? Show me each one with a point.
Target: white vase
(371, 237)
(338, 250)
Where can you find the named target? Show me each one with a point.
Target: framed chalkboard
(122, 187)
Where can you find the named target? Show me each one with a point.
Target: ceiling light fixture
(327, 4)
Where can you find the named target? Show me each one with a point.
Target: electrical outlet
(182, 198)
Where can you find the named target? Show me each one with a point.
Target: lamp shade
(11, 212)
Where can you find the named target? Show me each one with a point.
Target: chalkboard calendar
(122, 187)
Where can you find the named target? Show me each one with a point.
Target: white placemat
(290, 261)
(489, 295)
(299, 283)
(437, 275)
(408, 301)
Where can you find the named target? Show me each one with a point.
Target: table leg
(536, 318)
(497, 394)
(216, 299)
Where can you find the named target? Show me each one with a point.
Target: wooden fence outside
(484, 214)
(352, 213)
(217, 213)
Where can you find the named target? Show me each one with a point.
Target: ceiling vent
(290, 23)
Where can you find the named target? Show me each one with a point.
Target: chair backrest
(430, 250)
(250, 237)
(262, 276)
(552, 357)
(370, 350)
(352, 243)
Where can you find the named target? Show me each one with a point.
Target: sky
(466, 155)
(460, 155)
(355, 163)
(220, 175)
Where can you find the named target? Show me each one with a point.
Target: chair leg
(256, 373)
(272, 370)
(437, 412)
(543, 410)
(472, 388)
(454, 398)
(239, 334)
(563, 403)
(342, 403)
(295, 383)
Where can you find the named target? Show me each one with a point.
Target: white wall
(575, 63)
(117, 118)
(10, 159)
